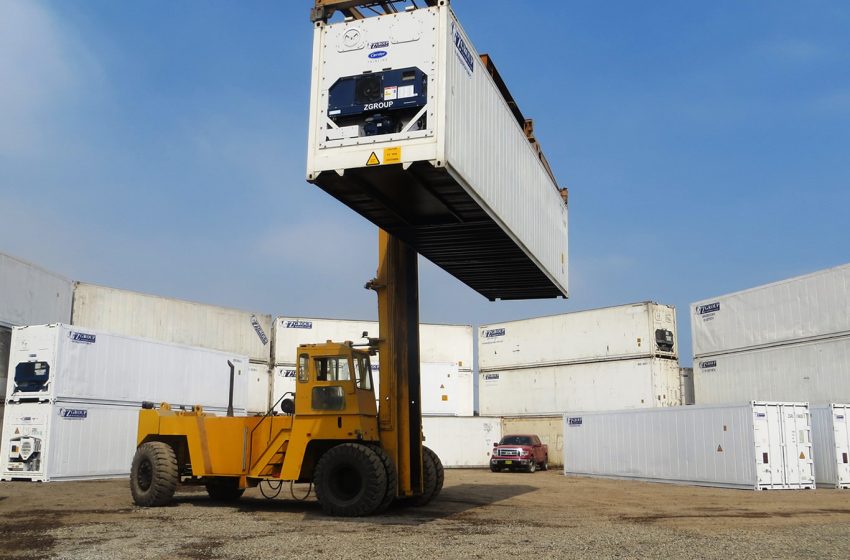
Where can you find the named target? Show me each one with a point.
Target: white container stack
(759, 446)
(615, 357)
(446, 354)
(786, 341)
(831, 440)
(66, 384)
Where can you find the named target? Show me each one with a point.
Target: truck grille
(509, 452)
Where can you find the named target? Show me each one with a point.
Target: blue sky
(160, 146)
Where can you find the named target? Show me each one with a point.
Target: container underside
(428, 209)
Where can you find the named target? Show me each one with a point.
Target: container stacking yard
(759, 446)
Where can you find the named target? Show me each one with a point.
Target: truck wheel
(432, 474)
(350, 480)
(494, 468)
(544, 466)
(532, 467)
(392, 478)
(224, 489)
(153, 474)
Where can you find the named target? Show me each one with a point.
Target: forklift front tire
(153, 474)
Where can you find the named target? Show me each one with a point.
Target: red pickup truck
(520, 452)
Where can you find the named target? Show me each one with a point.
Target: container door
(770, 459)
(842, 443)
(797, 436)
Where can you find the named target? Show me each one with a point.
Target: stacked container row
(73, 390)
(789, 340)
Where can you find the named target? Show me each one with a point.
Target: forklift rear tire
(224, 489)
(153, 474)
(350, 480)
(392, 478)
(432, 475)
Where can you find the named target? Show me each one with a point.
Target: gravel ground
(478, 515)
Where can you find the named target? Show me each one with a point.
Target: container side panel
(30, 295)
(841, 413)
(550, 429)
(815, 372)
(811, 306)
(643, 383)
(174, 321)
(831, 445)
(462, 442)
(621, 332)
(258, 388)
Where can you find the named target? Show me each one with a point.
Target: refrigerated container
(173, 320)
(758, 445)
(641, 383)
(831, 445)
(612, 333)
(63, 362)
(815, 371)
(258, 388)
(794, 310)
(413, 130)
(462, 441)
(31, 295)
(550, 430)
(445, 389)
(69, 440)
(437, 343)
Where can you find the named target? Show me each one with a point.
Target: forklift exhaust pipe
(230, 394)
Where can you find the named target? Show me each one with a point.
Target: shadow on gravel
(451, 501)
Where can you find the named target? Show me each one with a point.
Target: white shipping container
(815, 372)
(642, 383)
(437, 343)
(30, 295)
(445, 389)
(63, 362)
(462, 442)
(258, 388)
(757, 446)
(68, 441)
(831, 445)
(611, 333)
(409, 128)
(172, 320)
(793, 310)
(550, 430)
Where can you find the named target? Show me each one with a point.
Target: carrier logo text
(492, 333)
(82, 338)
(710, 308)
(299, 324)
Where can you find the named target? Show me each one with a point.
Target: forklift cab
(334, 379)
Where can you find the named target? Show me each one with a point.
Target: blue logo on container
(74, 413)
(710, 308)
(377, 54)
(491, 376)
(463, 50)
(289, 373)
(574, 421)
(82, 338)
(492, 333)
(708, 364)
(299, 324)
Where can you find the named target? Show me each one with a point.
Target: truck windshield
(333, 369)
(515, 440)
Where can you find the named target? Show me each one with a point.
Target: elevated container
(410, 128)
(815, 371)
(51, 363)
(31, 295)
(612, 333)
(173, 321)
(437, 343)
(462, 442)
(831, 445)
(803, 308)
(758, 446)
(69, 441)
(642, 383)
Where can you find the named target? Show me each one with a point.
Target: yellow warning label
(719, 449)
(392, 155)
(445, 397)
(802, 455)
(373, 159)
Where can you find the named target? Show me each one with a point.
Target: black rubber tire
(494, 469)
(544, 466)
(531, 468)
(392, 477)
(224, 489)
(429, 477)
(153, 474)
(441, 473)
(350, 480)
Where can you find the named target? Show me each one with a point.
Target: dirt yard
(478, 515)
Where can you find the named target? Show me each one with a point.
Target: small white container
(831, 439)
(462, 442)
(759, 445)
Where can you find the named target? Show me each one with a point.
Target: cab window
(303, 368)
(332, 369)
(363, 373)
